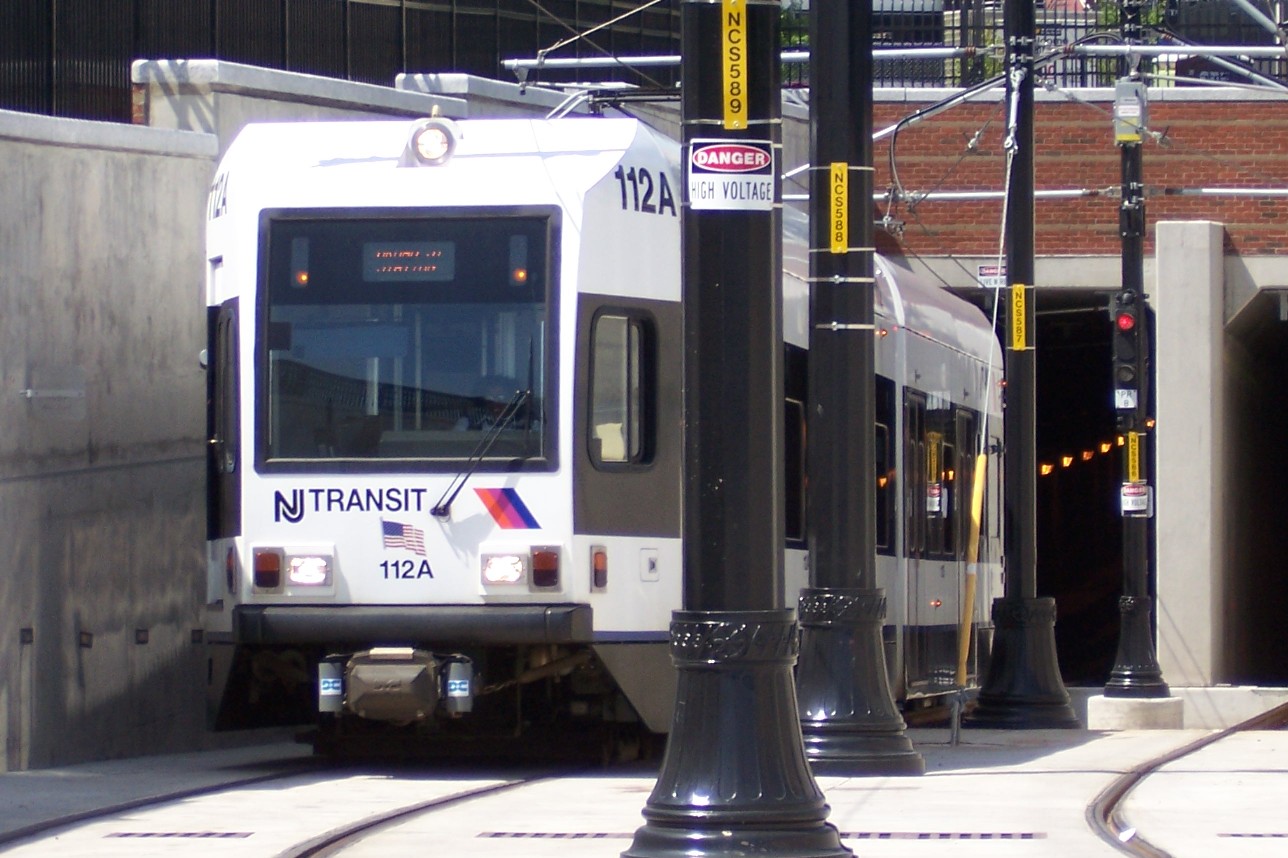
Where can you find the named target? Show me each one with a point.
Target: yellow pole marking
(1019, 318)
(734, 56)
(840, 184)
(1133, 457)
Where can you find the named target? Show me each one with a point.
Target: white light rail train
(445, 388)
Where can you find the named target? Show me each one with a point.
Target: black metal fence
(978, 24)
(72, 57)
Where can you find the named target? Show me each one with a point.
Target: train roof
(903, 298)
(268, 146)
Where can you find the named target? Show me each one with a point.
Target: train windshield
(389, 337)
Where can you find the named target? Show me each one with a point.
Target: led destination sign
(408, 261)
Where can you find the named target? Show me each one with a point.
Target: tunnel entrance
(1255, 582)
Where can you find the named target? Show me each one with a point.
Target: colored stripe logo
(507, 509)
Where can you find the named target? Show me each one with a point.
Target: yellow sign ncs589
(733, 24)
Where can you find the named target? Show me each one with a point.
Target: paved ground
(996, 793)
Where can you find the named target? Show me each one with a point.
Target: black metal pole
(1136, 672)
(848, 714)
(734, 779)
(1022, 687)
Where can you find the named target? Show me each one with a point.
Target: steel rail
(1103, 814)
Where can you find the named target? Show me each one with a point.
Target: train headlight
(509, 568)
(309, 571)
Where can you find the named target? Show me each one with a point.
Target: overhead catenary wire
(541, 61)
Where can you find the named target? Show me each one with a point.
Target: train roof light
(432, 142)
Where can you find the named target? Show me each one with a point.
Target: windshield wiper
(443, 508)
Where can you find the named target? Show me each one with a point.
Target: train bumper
(455, 624)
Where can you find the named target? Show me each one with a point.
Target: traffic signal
(1127, 314)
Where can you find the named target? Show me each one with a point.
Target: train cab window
(401, 337)
(620, 390)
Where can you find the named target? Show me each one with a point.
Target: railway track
(1105, 815)
(295, 812)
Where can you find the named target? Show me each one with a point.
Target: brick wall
(1213, 143)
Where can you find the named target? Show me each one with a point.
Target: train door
(223, 507)
(934, 545)
(627, 419)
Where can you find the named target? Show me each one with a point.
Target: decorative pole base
(1022, 687)
(849, 719)
(734, 780)
(1136, 672)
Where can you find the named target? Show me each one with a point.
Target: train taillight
(599, 567)
(545, 567)
(268, 569)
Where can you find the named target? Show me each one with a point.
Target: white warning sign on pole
(1137, 500)
(731, 175)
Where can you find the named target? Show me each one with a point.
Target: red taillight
(268, 570)
(599, 567)
(545, 567)
(230, 570)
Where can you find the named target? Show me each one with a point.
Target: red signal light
(1125, 322)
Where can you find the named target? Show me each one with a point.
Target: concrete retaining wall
(101, 438)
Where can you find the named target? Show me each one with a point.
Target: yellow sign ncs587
(733, 24)
(1019, 318)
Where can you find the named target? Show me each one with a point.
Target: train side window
(914, 485)
(885, 466)
(942, 485)
(796, 395)
(794, 472)
(620, 390)
(968, 440)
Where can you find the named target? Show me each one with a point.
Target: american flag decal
(507, 509)
(403, 536)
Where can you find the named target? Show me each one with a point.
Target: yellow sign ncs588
(839, 230)
(1133, 457)
(733, 24)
